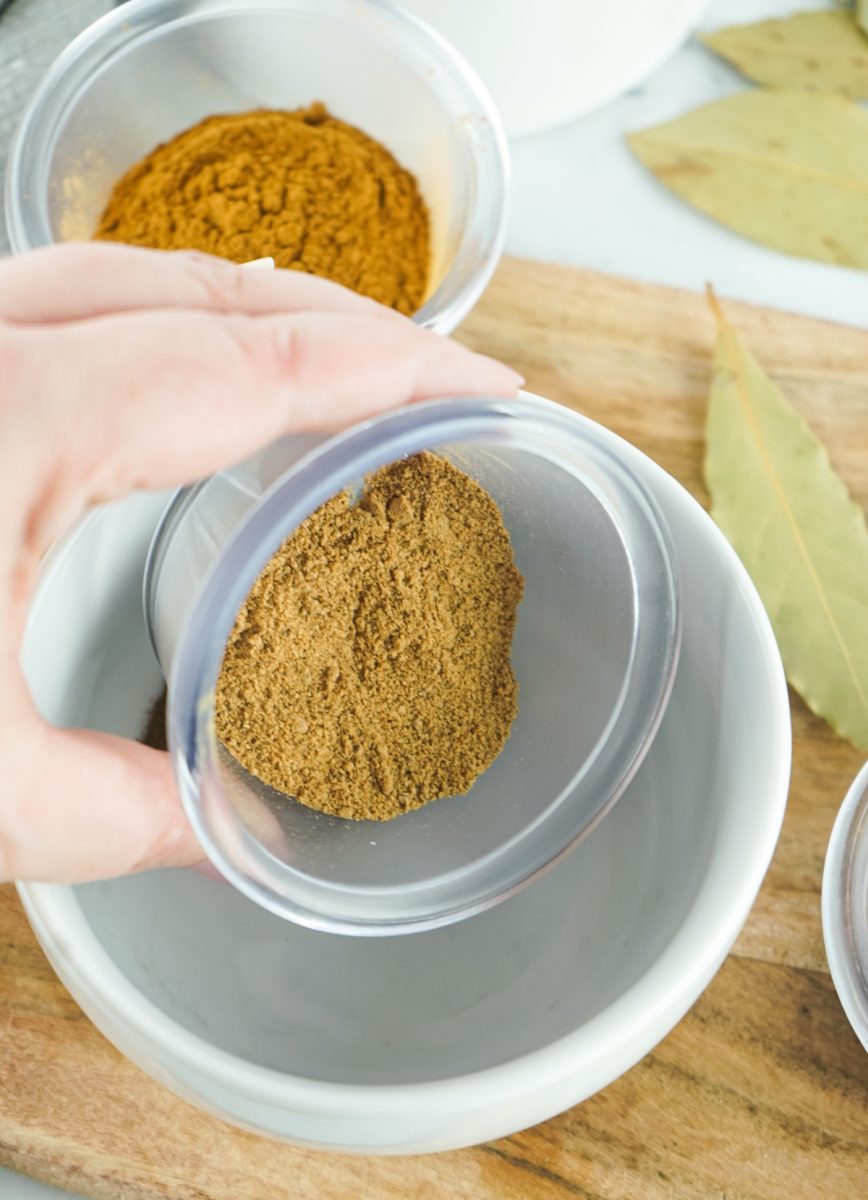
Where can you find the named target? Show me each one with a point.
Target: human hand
(124, 368)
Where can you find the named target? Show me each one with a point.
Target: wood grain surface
(761, 1092)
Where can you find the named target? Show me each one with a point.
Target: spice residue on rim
(311, 191)
(369, 671)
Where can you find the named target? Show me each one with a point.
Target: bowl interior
(169, 64)
(699, 817)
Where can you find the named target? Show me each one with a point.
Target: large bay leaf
(815, 51)
(862, 14)
(788, 169)
(804, 542)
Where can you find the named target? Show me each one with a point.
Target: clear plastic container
(845, 905)
(152, 68)
(595, 651)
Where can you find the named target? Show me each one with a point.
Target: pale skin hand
(123, 368)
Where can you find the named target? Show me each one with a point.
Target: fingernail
(515, 379)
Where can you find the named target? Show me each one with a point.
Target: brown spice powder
(301, 186)
(369, 669)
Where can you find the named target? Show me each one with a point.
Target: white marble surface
(578, 198)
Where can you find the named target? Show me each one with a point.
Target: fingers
(91, 806)
(79, 280)
(155, 399)
(126, 368)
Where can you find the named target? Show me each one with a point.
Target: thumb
(93, 806)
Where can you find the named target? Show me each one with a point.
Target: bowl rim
(122, 26)
(612, 1040)
(850, 823)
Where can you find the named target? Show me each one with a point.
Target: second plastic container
(152, 68)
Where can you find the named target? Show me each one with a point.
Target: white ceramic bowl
(458, 1035)
(550, 61)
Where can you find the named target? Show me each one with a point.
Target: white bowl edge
(691, 958)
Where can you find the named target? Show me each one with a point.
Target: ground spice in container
(301, 186)
(369, 671)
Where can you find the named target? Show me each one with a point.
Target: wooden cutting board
(761, 1093)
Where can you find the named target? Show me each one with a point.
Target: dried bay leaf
(790, 519)
(862, 15)
(787, 169)
(813, 51)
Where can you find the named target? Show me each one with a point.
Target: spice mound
(313, 192)
(368, 671)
